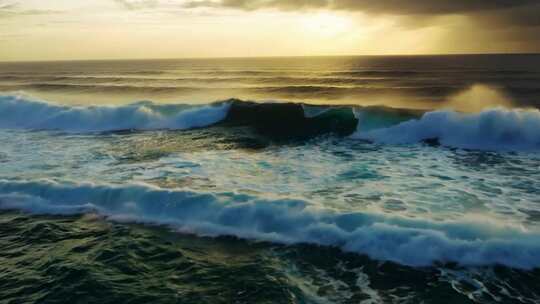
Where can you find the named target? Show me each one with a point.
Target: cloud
(520, 12)
(429, 7)
(524, 16)
(6, 8)
(485, 24)
(415, 12)
(137, 4)
(389, 6)
(12, 9)
(259, 4)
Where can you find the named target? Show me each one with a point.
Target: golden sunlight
(326, 24)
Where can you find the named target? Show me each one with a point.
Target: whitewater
(407, 231)
(407, 241)
(491, 129)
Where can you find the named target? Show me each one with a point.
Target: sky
(125, 29)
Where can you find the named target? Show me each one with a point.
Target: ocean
(378, 179)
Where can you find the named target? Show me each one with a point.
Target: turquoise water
(268, 202)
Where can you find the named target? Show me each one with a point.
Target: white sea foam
(21, 113)
(412, 242)
(495, 129)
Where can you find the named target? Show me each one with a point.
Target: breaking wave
(414, 242)
(276, 120)
(494, 129)
(19, 113)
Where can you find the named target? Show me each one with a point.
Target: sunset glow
(100, 29)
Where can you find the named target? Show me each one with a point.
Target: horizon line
(268, 57)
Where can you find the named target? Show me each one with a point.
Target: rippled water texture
(399, 81)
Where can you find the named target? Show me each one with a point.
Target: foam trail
(495, 129)
(413, 242)
(19, 113)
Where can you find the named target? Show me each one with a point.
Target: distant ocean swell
(414, 242)
(334, 88)
(492, 129)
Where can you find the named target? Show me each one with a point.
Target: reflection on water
(406, 82)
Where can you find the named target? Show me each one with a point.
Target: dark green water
(85, 259)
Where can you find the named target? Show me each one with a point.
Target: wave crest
(494, 129)
(413, 242)
(273, 120)
(19, 113)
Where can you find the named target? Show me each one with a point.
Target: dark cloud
(399, 7)
(523, 12)
(485, 23)
(428, 7)
(523, 16)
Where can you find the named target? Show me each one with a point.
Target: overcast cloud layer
(517, 21)
(380, 6)
(519, 12)
(187, 28)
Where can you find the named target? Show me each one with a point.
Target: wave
(436, 72)
(377, 73)
(329, 89)
(112, 83)
(494, 129)
(291, 120)
(412, 242)
(274, 120)
(50, 82)
(19, 113)
(354, 90)
(99, 88)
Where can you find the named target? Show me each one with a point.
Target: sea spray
(495, 129)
